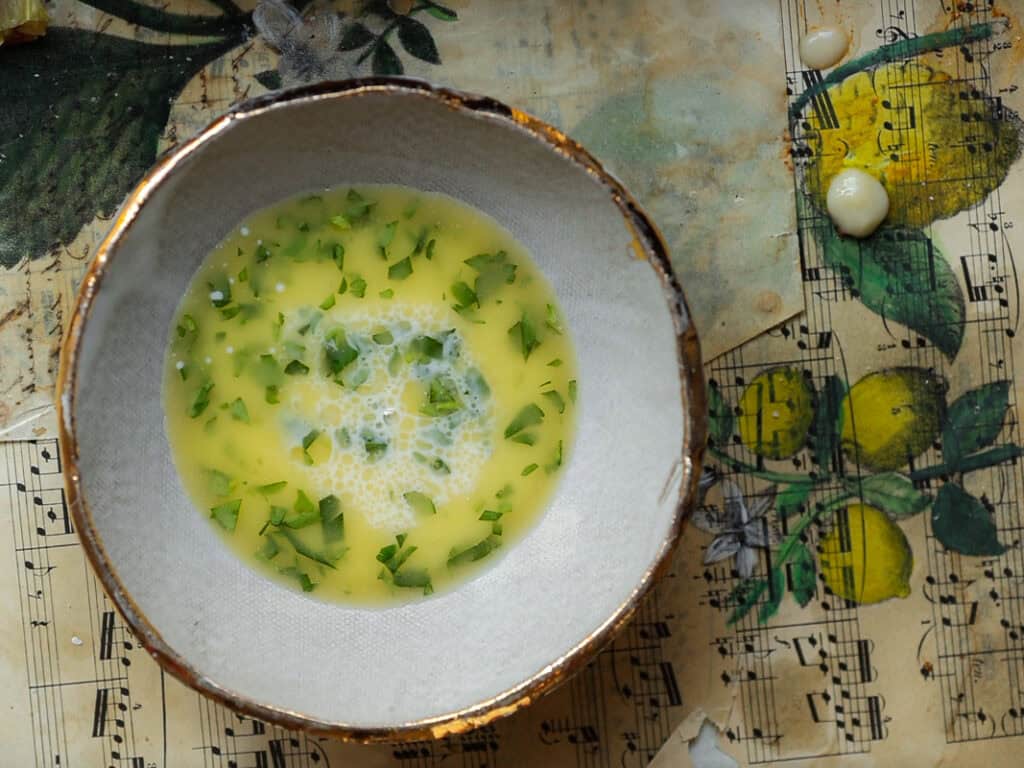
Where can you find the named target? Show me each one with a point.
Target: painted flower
(308, 43)
(740, 528)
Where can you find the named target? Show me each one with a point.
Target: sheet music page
(931, 674)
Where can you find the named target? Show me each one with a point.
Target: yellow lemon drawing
(866, 557)
(891, 416)
(776, 410)
(907, 124)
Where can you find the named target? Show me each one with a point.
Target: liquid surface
(370, 392)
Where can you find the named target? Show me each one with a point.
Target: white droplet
(244, 230)
(272, 351)
(76, 640)
(180, 364)
(824, 46)
(279, 287)
(216, 296)
(857, 202)
(231, 280)
(208, 360)
(230, 350)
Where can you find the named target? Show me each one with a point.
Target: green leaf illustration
(962, 523)
(900, 275)
(75, 151)
(385, 60)
(269, 79)
(827, 425)
(775, 591)
(356, 36)
(802, 571)
(744, 596)
(791, 500)
(417, 40)
(441, 12)
(891, 492)
(720, 418)
(974, 421)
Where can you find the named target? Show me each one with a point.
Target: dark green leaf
(493, 271)
(900, 275)
(417, 40)
(423, 349)
(720, 418)
(421, 503)
(528, 416)
(356, 36)
(271, 395)
(269, 79)
(400, 269)
(201, 400)
(556, 400)
(891, 492)
(974, 421)
(572, 390)
(415, 579)
(385, 60)
(490, 515)
(309, 439)
(328, 302)
(556, 461)
(226, 514)
(357, 287)
(476, 552)
(338, 353)
(338, 255)
(331, 518)
(271, 488)
(296, 368)
(465, 295)
(776, 589)
(328, 558)
(802, 571)
(962, 523)
(529, 469)
(524, 334)
(743, 597)
(442, 13)
(387, 234)
(442, 398)
(304, 512)
(552, 320)
(791, 500)
(827, 425)
(262, 253)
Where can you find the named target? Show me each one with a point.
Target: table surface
(785, 622)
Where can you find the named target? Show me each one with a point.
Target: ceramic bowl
(540, 612)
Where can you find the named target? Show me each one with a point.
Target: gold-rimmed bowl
(496, 643)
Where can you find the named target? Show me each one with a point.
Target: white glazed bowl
(494, 644)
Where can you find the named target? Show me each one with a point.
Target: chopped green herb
(324, 558)
(226, 514)
(383, 338)
(243, 276)
(296, 368)
(430, 250)
(526, 438)
(304, 226)
(338, 353)
(188, 328)
(220, 291)
(572, 390)
(304, 579)
(238, 410)
(493, 271)
(421, 242)
(183, 371)
(343, 438)
(343, 287)
(208, 426)
(269, 550)
(304, 512)
(414, 579)
(201, 400)
(387, 293)
(387, 234)
(341, 222)
(490, 515)
(394, 362)
(357, 287)
(262, 253)
(440, 467)
(229, 312)
(421, 503)
(338, 255)
(331, 518)
(277, 514)
(400, 269)
(271, 395)
(328, 302)
(387, 552)
(423, 349)
(358, 206)
(275, 329)
(529, 416)
(356, 379)
(374, 447)
(220, 484)
(442, 398)
(220, 336)
(556, 399)
(525, 335)
(496, 529)
(556, 462)
(506, 490)
(557, 362)
(465, 295)
(271, 488)
(476, 552)
(394, 557)
(552, 320)
(529, 469)
(309, 439)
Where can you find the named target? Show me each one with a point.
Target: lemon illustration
(891, 416)
(776, 411)
(866, 557)
(905, 124)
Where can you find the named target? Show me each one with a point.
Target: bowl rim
(647, 244)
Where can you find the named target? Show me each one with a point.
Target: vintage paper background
(687, 102)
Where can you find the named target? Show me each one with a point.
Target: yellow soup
(369, 391)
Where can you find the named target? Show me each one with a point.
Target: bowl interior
(613, 514)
